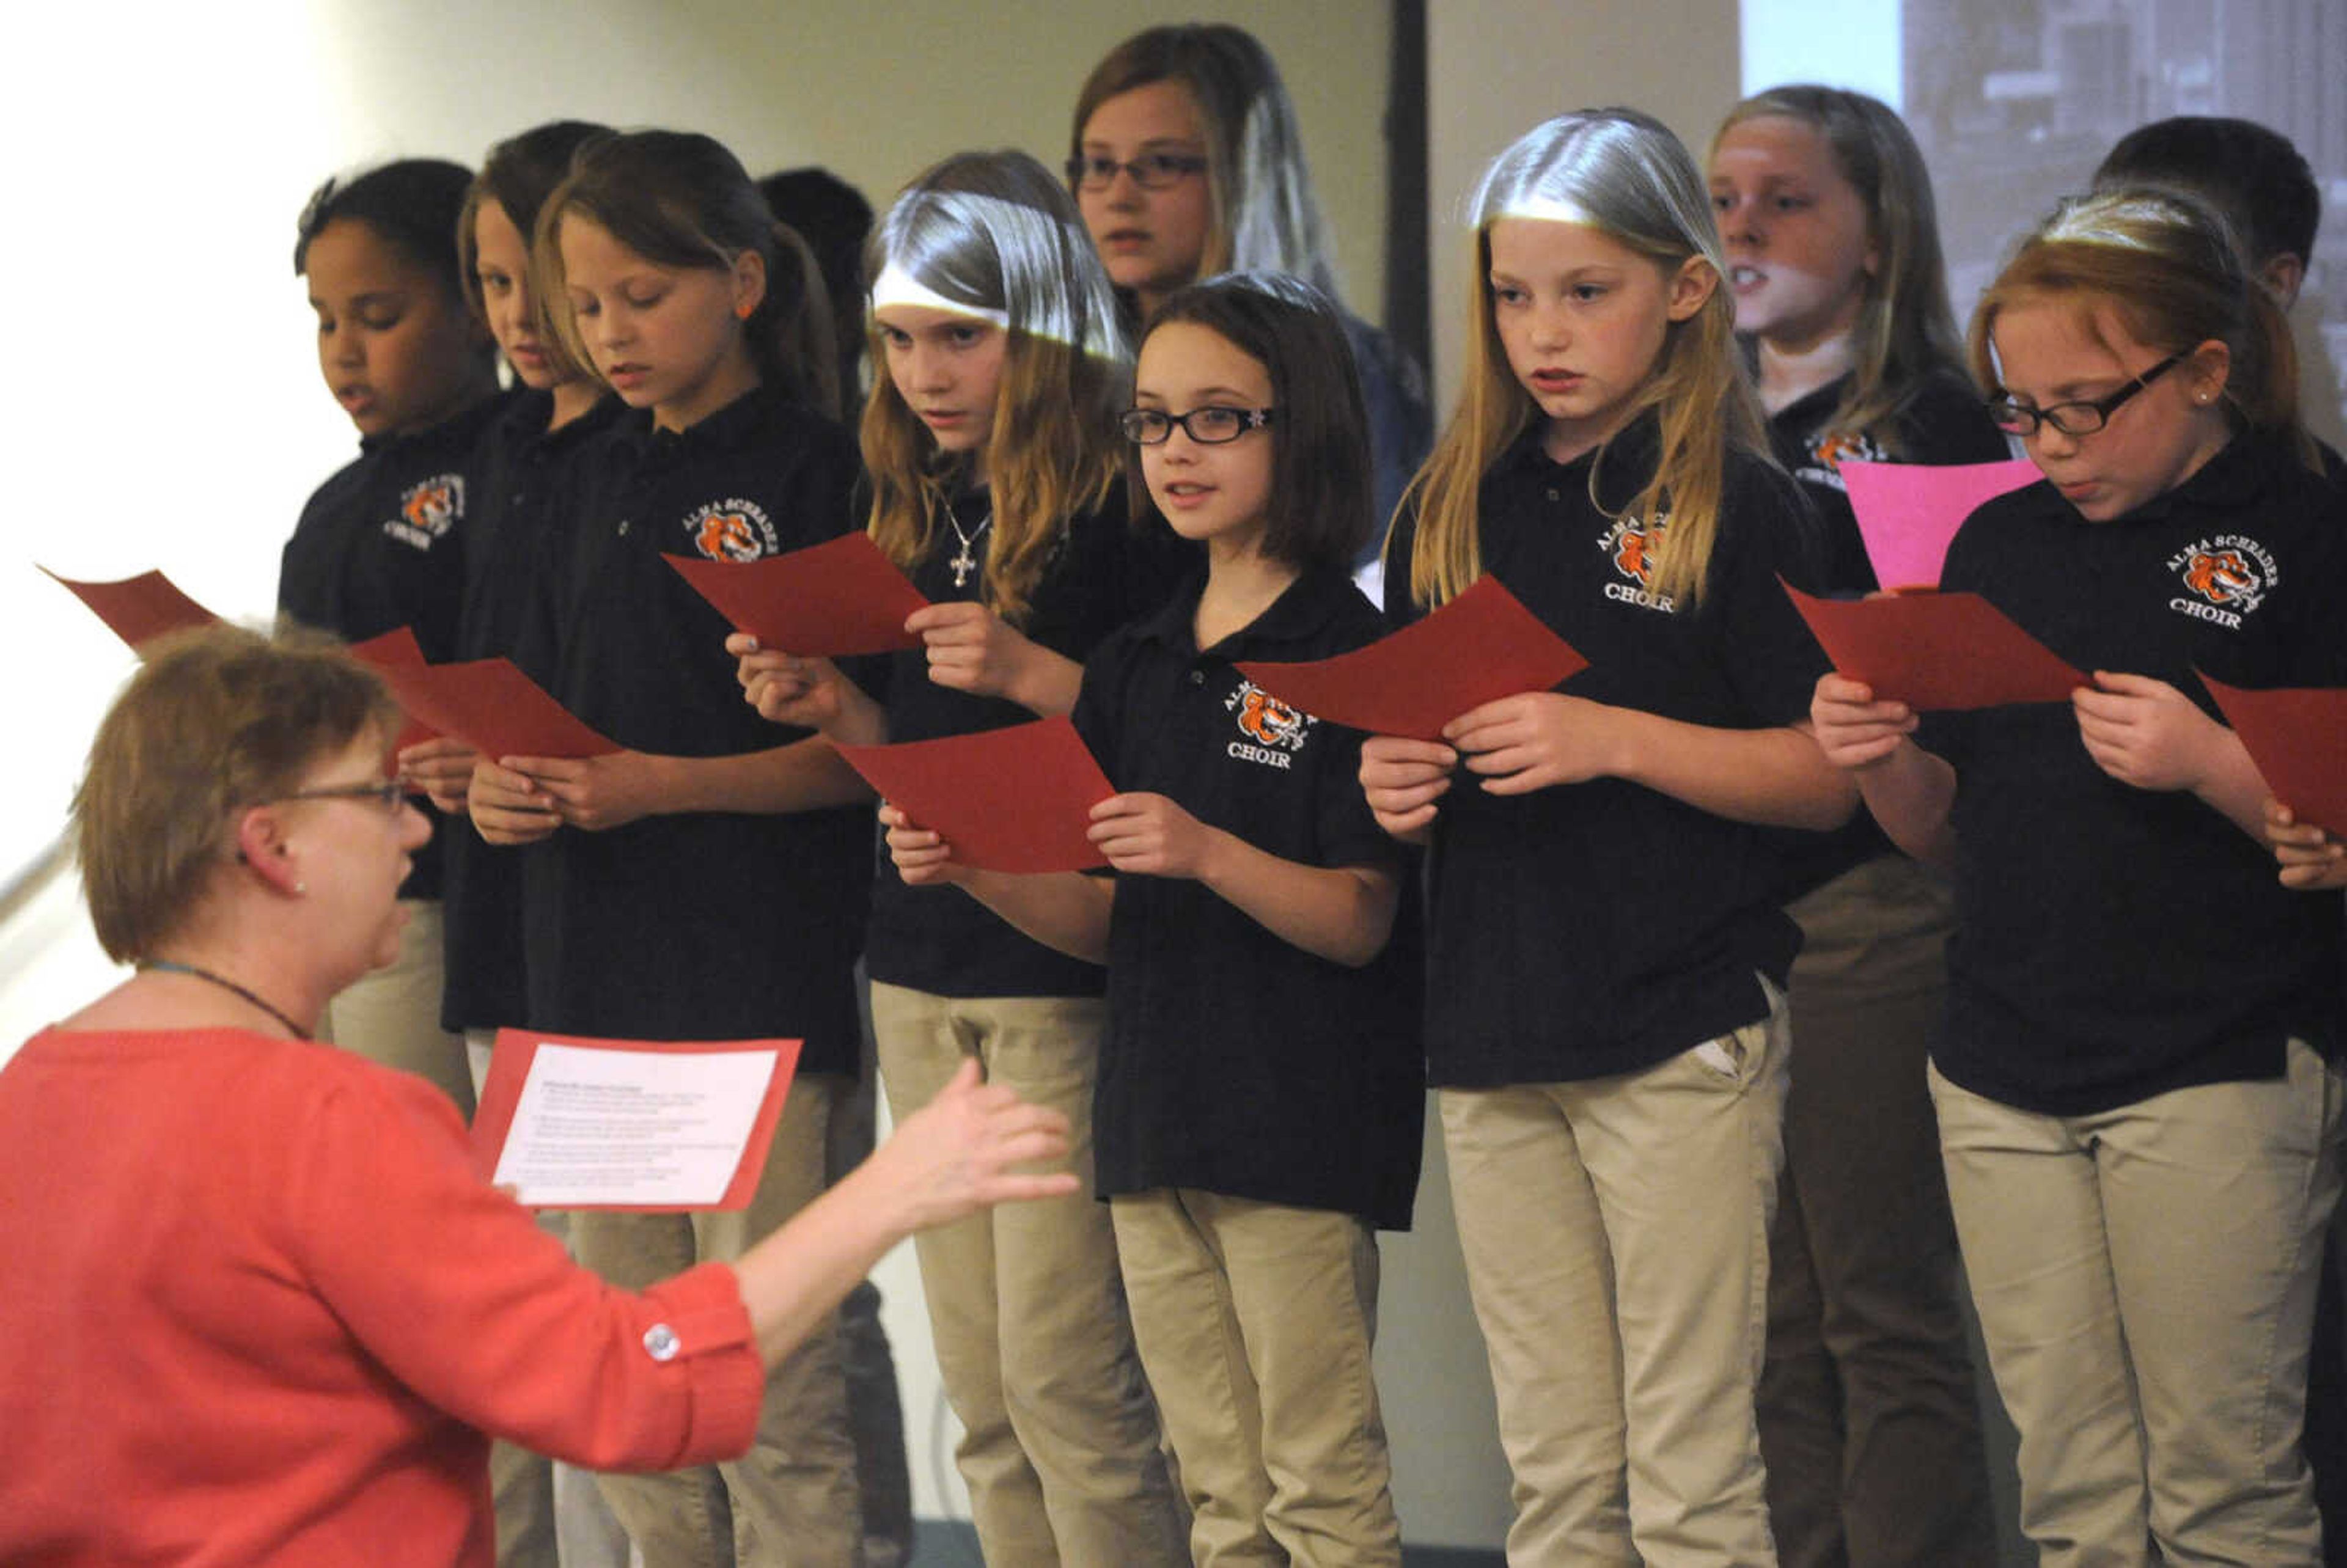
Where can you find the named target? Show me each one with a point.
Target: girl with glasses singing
(1261, 1097)
(2137, 1088)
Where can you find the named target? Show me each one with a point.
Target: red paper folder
(1017, 799)
(493, 707)
(2298, 738)
(138, 608)
(1481, 646)
(397, 647)
(509, 1064)
(1936, 650)
(1908, 513)
(830, 600)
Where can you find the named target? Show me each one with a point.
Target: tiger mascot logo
(726, 536)
(1268, 719)
(2220, 577)
(1635, 546)
(733, 529)
(433, 505)
(427, 510)
(1274, 732)
(1831, 448)
(2226, 578)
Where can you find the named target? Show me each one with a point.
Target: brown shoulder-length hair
(1906, 335)
(995, 232)
(1319, 510)
(679, 199)
(216, 720)
(1262, 214)
(1625, 175)
(2174, 275)
(520, 173)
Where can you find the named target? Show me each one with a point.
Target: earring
(743, 310)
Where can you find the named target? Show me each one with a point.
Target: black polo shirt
(1105, 570)
(512, 550)
(1596, 928)
(1236, 1062)
(382, 545)
(1945, 422)
(2114, 943)
(707, 924)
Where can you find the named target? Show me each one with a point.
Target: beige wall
(1498, 67)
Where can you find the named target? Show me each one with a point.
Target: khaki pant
(392, 1016)
(1059, 1444)
(1870, 1416)
(791, 1499)
(1256, 1324)
(1616, 1233)
(2145, 1281)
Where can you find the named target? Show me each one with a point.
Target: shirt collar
(1623, 464)
(2227, 481)
(1298, 616)
(730, 429)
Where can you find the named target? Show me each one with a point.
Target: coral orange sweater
(257, 1309)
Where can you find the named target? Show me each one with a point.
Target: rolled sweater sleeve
(452, 1288)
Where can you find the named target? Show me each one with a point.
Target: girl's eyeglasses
(2080, 418)
(1151, 170)
(1208, 426)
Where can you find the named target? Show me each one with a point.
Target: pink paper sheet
(1481, 646)
(1015, 799)
(1908, 512)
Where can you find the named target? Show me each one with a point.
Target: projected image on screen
(2015, 102)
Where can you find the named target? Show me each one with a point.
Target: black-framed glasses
(1151, 170)
(385, 793)
(2083, 417)
(1211, 425)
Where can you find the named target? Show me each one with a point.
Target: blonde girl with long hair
(1605, 956)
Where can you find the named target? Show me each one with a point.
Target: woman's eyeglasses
(1209, 426)
(2083, 417)
(385, 793)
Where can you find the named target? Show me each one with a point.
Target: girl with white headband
(993, 453)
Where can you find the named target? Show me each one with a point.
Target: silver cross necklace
(966, 563)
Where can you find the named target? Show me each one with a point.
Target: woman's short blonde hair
(217, 719)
